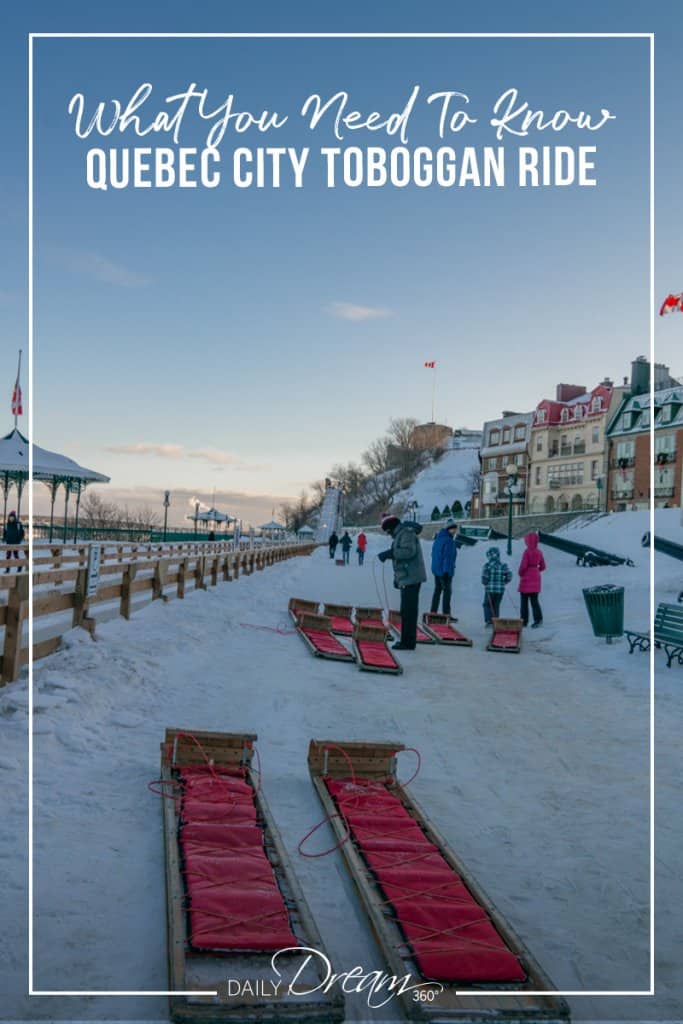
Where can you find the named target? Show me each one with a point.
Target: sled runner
(440, 629)
(297, 604)
(431, 919)
(506, 636)
(395, 627)
(371, 617)
(232, 897)
(340, 618)
(372, 651)
(315, 631)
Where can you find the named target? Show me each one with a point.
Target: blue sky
(245, 340)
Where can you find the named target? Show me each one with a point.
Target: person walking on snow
(495, 576)
(333, 541)
(361, 546)
(530, 569)
(346, 543)
(444, 554)
(13, 534)
(409, 574)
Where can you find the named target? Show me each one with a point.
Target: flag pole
(16, 392)
(433, 393)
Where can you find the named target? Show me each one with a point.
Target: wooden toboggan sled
(431, 919)
(233, 900)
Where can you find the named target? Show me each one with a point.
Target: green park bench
(668, 633)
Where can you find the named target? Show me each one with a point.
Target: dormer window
(495, 437)
(596, 404)
(540, 416)
(578, 412)
(667, 413)
(564, 415)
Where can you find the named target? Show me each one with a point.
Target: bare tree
(401, 430)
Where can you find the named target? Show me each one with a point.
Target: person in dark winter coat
(409, 574)
(495, 576)
(444, 554)
(530, 569)
(13, 534)
(333, 541)
(361, 546)
(346, 543)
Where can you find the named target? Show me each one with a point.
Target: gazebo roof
(272, 525)
(212, 515)
(304, 529)
(14, 449)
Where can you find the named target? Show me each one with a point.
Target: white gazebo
(211, 515)
(305, 533)
(272, 529)
(49, 468)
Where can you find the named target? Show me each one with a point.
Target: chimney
(640, 376)
(662, 377)
(565, 392)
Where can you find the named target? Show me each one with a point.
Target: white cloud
(163, 451)
(349, 311)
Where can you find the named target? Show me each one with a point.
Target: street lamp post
(413, 507)
(167, 502)
(511, 490)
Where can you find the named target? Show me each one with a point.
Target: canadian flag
(431, 365)
(671, 304)
(17, 409)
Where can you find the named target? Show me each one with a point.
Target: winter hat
(493, 554)
(389, 522)
(450, 523)
(13, 513)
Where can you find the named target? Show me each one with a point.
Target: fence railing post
(129, 574)
(17, 608)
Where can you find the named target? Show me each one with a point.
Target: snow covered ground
(447, 480)
(535, 767)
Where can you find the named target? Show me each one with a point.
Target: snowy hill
(443, 482)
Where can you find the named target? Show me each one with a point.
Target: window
(564, 415)
(622, 483)
(507, 434)
(626, 450)
(538, 474)
(539, 443)
(665, 448)
(519, 459)
(594, 469)
(627, 420)
(540, 416)
(667, 413)
(495, 437)
(645, 418)
(520, 432)
(578, 412)
(493, 463)
(568, 474)
(596, 404)
(595, 436)
(664, 482)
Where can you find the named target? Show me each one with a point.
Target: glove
(383, 555)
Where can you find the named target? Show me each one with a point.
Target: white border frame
(330, 35)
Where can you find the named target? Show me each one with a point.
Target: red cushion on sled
(505, 638)
(341, 624)
(325, 642)
(376, 653)
(225, 866)
(450, 934)
(227, 918)
(230, 837)
(218, 812)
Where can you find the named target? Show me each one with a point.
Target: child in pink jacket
(530, 569)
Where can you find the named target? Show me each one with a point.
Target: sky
(238, 342)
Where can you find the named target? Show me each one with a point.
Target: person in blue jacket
(444, 554)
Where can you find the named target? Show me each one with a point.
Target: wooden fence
(162, 571)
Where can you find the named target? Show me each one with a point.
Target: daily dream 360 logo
(380, 988)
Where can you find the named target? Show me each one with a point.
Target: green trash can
(605, 606)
